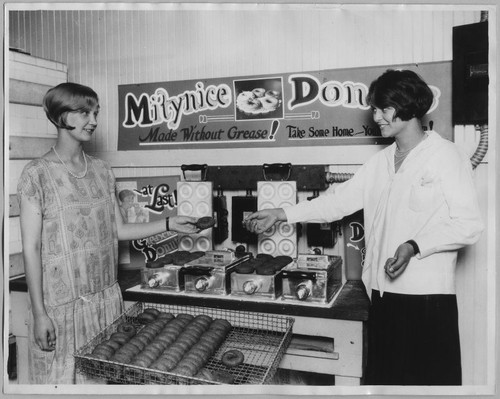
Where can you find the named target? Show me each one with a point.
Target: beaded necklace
(399, 156)
(69, 171)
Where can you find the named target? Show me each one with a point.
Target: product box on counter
(141, 200)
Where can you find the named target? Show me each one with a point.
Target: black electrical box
(470, 74)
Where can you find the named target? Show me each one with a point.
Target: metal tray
(263, 339)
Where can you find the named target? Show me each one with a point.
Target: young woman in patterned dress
(71, 225)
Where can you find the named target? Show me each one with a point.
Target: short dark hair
(68, 97)
(404, 90)
(125, 193)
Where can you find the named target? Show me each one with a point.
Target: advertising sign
(141, 200)
(280, 110)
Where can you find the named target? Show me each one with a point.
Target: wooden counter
(332, 339)
(352, 302)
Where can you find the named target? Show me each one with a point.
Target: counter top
(352, 302)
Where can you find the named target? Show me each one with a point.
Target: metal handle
(283, 169)
(193, 168)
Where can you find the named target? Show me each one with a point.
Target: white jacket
(431, 199)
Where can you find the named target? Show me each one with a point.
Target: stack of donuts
(180, 344)
(263, 264)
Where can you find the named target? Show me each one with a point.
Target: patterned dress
(79, 255)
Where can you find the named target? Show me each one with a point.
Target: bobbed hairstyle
(403, 90)
(68, 97)
(125, 193)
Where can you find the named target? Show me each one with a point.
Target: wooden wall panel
(105, 48)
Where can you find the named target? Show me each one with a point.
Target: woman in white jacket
(420, 207)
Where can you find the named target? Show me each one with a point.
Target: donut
(175, 352)
(141, 362)
(205, 222)
(281, 261)
(272, 93)
(164, 364)
(149, 353)
(121, 358)
(190, 365)
(145, 318)
(245, 268)
(232, 358)
(205, 374)
(203, 319)
(170, 360)
(264, 257)
(158, 346)
(223, 322)
(189, 338)
(155, 312)
(284, 259)
(139, 341)
(113, 344)
(152, 329)
(259, 92)
(182, 344)
(165, 316)
(265, 269)
(127, 328)
(222, 376)
(149, 335)
(141, 338)
(196, 328)
(215, 337)
(185, 316)
(219, 328)
(128, 350)
(179, 258)
(174, 328)
(205, 347)
(104, 350)
(166, 336)
(119, 337)
(269, 102)
(198, 353)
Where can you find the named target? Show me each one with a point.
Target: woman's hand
(183, 224)
(394, 267)
(45, 335)
(260, 221)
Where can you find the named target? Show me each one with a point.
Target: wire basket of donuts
(161, 344)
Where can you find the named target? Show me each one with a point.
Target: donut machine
(276, 273)
(259, 277)
(281, 239)
(166, 273)
(210, 273)
(312, 278)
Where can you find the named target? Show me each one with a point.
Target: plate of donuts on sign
(258, 102)
(163, 344)
(258, 98)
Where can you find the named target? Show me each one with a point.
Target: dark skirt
(413, 340)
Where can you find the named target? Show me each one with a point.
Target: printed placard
(141, 200)
(297, 109)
